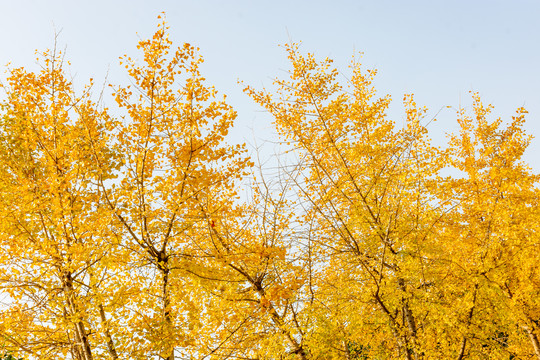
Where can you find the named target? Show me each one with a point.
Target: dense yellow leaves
(123, 235)
(403, 255)
(53, 229)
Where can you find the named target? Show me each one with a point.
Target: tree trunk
(110, 344)
(411, 324)
(462, 349)
(166, 302)
(81, 337)
(534, 340)
(85, 344)
(347, 351)
(461, 354)
(298, 349)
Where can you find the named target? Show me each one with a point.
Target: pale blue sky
(438, 50)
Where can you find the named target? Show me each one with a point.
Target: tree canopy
(123, 234)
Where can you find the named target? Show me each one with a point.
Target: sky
(438, 50)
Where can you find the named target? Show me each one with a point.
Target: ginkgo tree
(97, 199)
(493, 230)
(393, 237)
(55, 235)
(123, 235)
(176, 174)
(367, 190)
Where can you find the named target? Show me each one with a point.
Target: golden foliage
(124, 237)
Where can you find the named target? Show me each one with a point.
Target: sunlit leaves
(124, 236)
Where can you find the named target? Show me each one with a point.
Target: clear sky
(438, 50)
